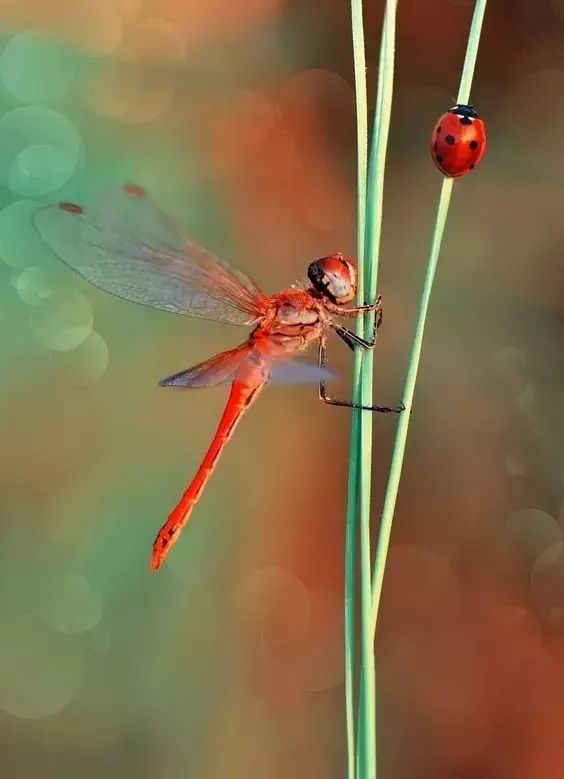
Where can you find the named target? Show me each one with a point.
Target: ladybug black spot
(450, 139)
(471, 166)
(439, 158)
(473, 144)
(438, 129)
(465, 120)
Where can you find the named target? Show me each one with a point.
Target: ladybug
(458, 141)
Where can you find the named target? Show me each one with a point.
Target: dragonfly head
(334, 278)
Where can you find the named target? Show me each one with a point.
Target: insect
(458, 141)
(127, 246)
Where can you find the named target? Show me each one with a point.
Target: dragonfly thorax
(290, 314)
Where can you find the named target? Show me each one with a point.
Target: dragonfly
(125, 244)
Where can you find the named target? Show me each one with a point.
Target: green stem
(471, 52)
(413, 365)
(354, 445)
(403, 423)
(375, 193)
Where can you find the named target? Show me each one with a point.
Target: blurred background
(238, 117)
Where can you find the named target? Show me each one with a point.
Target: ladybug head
(334, 278)
(464, 111)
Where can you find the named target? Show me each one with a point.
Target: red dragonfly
(125, 245)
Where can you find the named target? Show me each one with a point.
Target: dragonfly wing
(297, 372)
(212, 372)
(125, 245)
(233, 363)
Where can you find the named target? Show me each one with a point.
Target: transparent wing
(226, 365)
(296, 372)
(214, 371)
(125, 245)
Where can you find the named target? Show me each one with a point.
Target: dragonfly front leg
(347, 403)
(366, 309)
(352, 339)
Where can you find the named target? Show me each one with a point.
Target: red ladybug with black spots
(458, 142)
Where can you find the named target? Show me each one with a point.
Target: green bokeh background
(239, 120)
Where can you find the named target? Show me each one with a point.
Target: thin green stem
(413, 365)
(375, 193)
(471, 52)
(352, 488)
(403, 422)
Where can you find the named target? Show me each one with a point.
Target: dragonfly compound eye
(334, 277)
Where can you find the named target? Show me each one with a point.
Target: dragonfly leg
(347, 403)
(366, 309)
(352, 339)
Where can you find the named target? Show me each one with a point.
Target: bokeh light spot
(40, 674)
(154, 101)
(72, 604)
(64, 322)
(39, 150)
(122, 92)
(526, 401)
(516, 464)
(531, 532)
(548, 557)
(85, 364)
(35, 68)
(40, 169)
(264, 590)
(112, 91)
(273, 611)
(20, 244)
(35, 286)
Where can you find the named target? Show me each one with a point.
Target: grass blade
(375, 193)
(359, 57)
(413, 365)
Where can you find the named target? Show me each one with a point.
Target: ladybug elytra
(458, 141)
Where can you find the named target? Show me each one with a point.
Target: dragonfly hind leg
(348, 403)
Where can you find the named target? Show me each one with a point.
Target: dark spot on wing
(473, 144)
(439, 129)
(450, 139)
(439, 158)
(72, 208)
(134, 190)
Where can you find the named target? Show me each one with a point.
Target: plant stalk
(359, 58)
(398, 454)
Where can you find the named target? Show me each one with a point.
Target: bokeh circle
(64, 322)
(34, 285)
(84, 365)
(40, 673)
(39, 150)
(36, 68)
